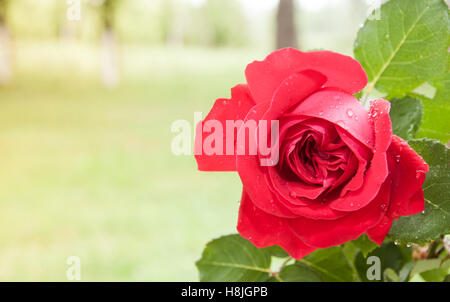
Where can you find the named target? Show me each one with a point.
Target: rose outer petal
(265, 230)
(327, 233)
(380, 231)
(233, 109)
(343, 72)
(407, 171)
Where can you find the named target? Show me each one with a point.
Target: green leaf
(405, 272)
(406, 116)
(436, 275)
(435, 220)
(331, 264)
(425, 265)
(442, 82)
(407, 47)
(435, 118)
(299, 273)
(364, 244)
(389, 275)
(233, 259)
(442, 85)
(437, 272)
(350, 251)
(276, 251)
(391, 256)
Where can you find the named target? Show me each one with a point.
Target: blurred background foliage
(85, 113)
(217, 23)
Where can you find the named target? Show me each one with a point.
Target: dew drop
(419, 173)
(387, 36)
(349, 113)
(396, 242)
(293, 194)
(341, 123)
(321, 113)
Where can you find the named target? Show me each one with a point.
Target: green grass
(88, 172)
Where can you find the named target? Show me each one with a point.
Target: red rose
(340, 171)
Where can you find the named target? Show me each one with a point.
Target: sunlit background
(86, 107)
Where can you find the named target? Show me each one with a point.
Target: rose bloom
(340, 171)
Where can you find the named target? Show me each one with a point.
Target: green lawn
(89, 172)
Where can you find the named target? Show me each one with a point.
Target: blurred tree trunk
(109, 53)
(5, 45)
(175, 35)
(65, 29)
(286, 29)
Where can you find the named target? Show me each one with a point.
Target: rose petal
(293, 90)
(362, 154)
(378, 170)
(235, 109)
(327, 233)
(339, 108)
(253, 175)
(407, 171)
(265, 230)
(288, 189)
(380, 231)
(264, 77)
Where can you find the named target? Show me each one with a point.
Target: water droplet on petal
(419, 173)
(293, 194)
(341, 123)
(349, 113)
